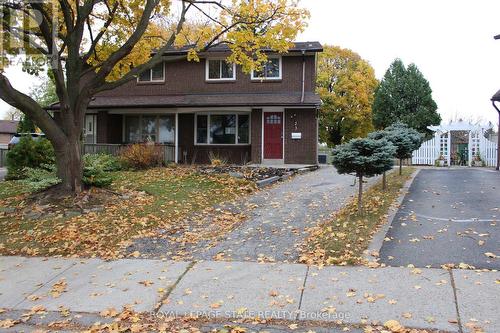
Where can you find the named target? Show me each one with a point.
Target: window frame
(207, 74)
(208, 114)
(125, 136)
(280, 66)
(151, 76)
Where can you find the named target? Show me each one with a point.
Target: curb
(378, 239)
(271, 180)
(267, 181)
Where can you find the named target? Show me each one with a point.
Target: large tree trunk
(360, 195)
(384, 182)
(69, 163)
(400, 166)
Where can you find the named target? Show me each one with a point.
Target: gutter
(303, 75)
(180, 106)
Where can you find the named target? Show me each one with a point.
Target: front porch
(238, 135)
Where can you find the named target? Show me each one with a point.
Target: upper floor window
(271, 70)
(155, 74)
(220, 69)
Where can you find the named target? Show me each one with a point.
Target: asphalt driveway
(448, 216)
(276, 224)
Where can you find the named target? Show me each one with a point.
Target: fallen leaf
(394, 326)
(146, 283)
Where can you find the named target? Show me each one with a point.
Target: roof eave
(496, 97)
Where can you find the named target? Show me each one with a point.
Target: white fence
(428, 152)
(488, 151)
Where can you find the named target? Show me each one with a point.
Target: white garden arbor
(458, 143)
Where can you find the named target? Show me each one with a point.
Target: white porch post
(448, 144)
(437, 147)
(176, 137)
(470, 148)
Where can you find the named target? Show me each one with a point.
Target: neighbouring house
(7, 130)
(212, 108)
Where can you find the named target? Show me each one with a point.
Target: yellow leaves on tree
(248, 27)
(346, 84)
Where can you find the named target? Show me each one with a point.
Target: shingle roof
(8, 126)
(297, 47)
(201, 100)
(496, 97)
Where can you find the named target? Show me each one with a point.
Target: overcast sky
(451, 41)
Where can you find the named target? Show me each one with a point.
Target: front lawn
(11, 188)
(343, 238)
(103, 222)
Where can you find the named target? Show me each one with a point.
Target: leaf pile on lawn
(346, 235)
(145, 202)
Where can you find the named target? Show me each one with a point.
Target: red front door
(273, 135)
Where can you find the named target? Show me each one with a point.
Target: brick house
(212, 107)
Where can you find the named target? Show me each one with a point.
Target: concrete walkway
(276, 224)
(452, 301)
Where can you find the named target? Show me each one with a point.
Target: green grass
(343, 239)
(11, 188)
(157, 198)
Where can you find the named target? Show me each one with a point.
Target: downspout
(498, 136)
(303, 76)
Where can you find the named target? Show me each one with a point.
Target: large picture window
(155, 74)
(150, 128)
(271, 70)
(223, 129)
(220, 69)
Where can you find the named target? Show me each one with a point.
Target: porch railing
(168, 151)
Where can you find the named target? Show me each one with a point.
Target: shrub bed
(28, 153)
(142, 156)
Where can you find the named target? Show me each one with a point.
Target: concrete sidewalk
(421, 298)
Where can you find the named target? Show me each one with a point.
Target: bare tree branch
(127, 47)
(112, 12)
(31, 108)
(154, 60)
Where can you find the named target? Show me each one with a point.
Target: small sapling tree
(381, 135)
(363, 158)
(405, 139)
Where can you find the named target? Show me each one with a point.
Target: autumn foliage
(88, 47)
(346, 84)
(342, 239)
(142, 156)
(140, 204)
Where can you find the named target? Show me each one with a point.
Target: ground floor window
(225, 129)
(150, 128)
